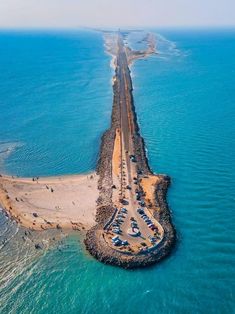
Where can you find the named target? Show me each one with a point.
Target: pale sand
(116, 168)
(116, 161)
(71, 205)
(149, 186)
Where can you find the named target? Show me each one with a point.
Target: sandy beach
(67, 202)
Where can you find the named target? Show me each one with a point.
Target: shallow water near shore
(185, 105)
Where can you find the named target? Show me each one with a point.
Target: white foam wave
(167, 48)
(6, 149)
(8, 229)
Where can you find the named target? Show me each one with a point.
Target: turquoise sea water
(55, 101)
(55, 106)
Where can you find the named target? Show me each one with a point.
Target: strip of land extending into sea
(122, 206)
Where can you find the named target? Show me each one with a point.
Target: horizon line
(124, 28)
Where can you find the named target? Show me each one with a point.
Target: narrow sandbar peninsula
(134, 227)
(122, 206)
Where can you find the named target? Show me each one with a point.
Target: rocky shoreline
(95, 241)
(99, 248)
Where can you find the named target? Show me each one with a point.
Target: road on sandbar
(137, 231)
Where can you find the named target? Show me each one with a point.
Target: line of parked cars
(117, 241)
(116, 228)
(116, 225)
(148, 221)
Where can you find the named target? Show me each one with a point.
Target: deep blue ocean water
(54, 108)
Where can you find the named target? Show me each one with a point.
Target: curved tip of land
(98, 238)
(62, 202)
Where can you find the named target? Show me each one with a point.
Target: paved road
(128, 168)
